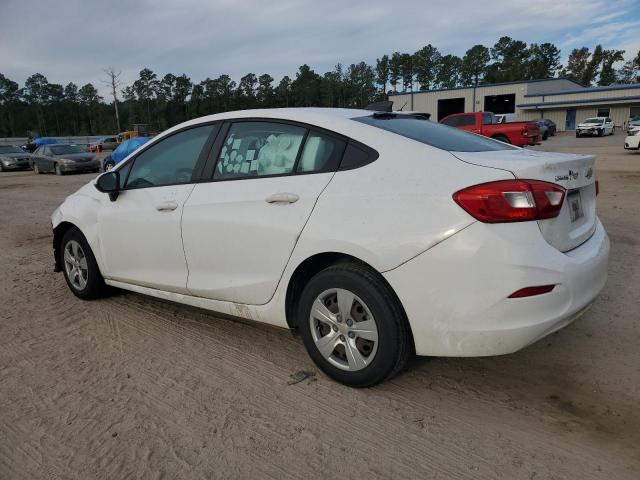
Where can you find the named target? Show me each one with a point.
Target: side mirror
(109, 182)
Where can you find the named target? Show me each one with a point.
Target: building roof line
(604, 100)
(607, 88)
(484, 85)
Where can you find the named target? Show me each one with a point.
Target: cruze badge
(572, 175)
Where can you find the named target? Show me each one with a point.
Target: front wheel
(80, 267)
(36, 170)
(58, 170)
(353, 326)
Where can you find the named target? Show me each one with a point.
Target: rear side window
(434, 134)
(321, 153)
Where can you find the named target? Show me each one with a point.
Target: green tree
(509, 57)
(395, 69)
(305, 88)
(608, 73)
(382, 72)
(9, 98)
(89, 97)
(543, 62)
(283, 92)
(426, 63)
(265, 92)
(407, 71)
(474, 65)
(448, 72)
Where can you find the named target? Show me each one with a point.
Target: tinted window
(10, 149)
(451, 121)
(488, 119)
(65, 149)
(320, 153)
(253, 149)
(356, 156)
(170, 161)
(434, 134)
(466, 120)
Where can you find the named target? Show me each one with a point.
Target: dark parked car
(63, 159)
(551, 127)
(14, 158)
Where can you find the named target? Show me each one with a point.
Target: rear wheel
(501, 138)
(353, 326)
(80, 267)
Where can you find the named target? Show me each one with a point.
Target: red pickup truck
(485, 123)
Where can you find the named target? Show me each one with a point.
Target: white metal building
(562, 100)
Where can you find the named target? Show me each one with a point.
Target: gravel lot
(132, 387)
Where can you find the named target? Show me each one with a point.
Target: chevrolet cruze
(375, 235)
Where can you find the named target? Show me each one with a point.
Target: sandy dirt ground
(132, 387)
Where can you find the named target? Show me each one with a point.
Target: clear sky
(73, 40)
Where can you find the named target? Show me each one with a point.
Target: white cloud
(74, 40)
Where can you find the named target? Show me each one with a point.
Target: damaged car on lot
(374, 235)
(13, 157)
(61, 159)
(596, 126)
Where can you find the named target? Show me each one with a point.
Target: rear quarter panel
(395, 208)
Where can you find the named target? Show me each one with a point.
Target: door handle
(282, 198)
(167, 206)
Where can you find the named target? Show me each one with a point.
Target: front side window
(488, 119)
(434, 134)
(171, 161)
(253, 149)
(10, 149)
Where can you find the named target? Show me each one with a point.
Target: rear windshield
(10, 149)
(66, 149)
(434, 134)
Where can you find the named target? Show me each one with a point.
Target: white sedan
(374, 235)
(632, 142)
(596, 126)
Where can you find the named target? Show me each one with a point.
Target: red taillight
(532, 291)
(511, 200)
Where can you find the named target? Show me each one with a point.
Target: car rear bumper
(456, 294)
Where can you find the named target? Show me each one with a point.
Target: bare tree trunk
(113, 82)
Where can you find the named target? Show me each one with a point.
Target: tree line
(41, 108)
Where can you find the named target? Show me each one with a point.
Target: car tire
(1, 167)
(36, 170)
(58, 170)
(79, 266)
(545, 136)
(577, 135)
(502, 138)
(601, 132)
(346, 355)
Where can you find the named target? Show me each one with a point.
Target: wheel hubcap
(343, 329)
(75, 265)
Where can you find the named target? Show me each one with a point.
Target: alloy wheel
(75, 265)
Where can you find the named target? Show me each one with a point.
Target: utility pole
(113, 83)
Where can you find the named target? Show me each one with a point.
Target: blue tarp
(127, 147)
(44, 141)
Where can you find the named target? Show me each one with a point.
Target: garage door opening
(450, 106)
(500, 103)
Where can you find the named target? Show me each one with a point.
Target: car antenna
(405, 104)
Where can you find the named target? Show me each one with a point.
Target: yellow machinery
(139, 130)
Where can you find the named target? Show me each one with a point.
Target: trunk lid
(575, 172)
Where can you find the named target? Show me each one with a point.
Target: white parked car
(632, 142)
(374, 235)
(596, 126)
